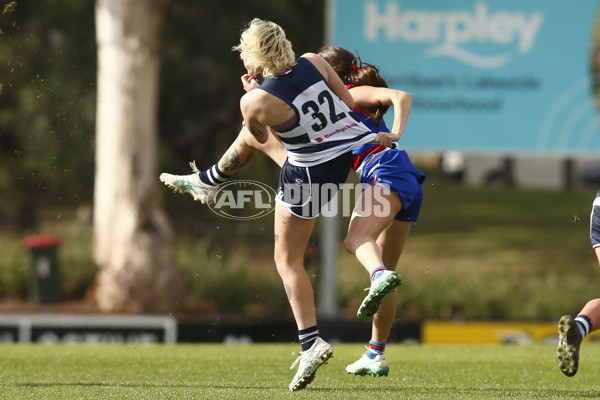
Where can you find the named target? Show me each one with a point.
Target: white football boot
(191, 184)
(310, 360)
(381, 286)
(365, 366)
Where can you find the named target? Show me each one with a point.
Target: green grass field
(215, 371)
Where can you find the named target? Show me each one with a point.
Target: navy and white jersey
(324, 127)
(595, 222)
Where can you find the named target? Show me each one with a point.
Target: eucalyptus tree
(133, 239)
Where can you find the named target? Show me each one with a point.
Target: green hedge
(502, 254)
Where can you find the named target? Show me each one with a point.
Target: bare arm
(251, 117)
(370, 96)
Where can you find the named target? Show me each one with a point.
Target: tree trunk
(133, 240)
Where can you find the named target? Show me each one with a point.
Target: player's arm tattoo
(258, 133)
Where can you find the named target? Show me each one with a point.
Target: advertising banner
(485, 76)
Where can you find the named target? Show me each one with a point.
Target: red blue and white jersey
(366, 158)
(368, 153)
(325, 127)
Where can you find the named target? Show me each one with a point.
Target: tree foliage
(47, 79)
(48, 89)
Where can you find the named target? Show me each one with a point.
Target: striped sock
(584, 324)
(376, 272)
(375, 349)
(213, 176)
(307, 337)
